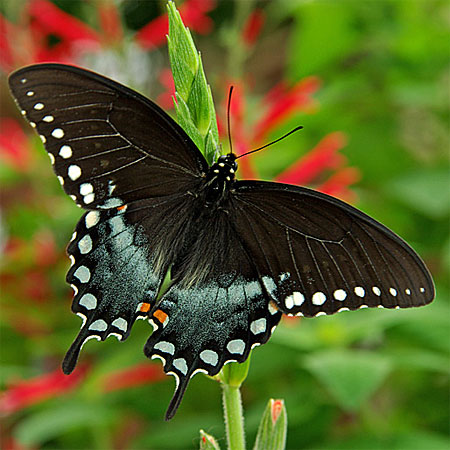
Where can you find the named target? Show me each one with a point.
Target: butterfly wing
(318, 255)
(122, 158)
(108, 144)
(218, 318)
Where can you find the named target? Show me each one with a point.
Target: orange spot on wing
(160, 315)
(145, 307)
(119, 208)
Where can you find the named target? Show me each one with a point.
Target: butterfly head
(224, 169)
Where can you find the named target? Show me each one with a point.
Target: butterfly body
(240, 252)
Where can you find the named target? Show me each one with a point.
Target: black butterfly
(240, 253)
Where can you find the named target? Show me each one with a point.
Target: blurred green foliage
(370, 379)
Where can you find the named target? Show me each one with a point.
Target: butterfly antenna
(228, 118)
(270, 143)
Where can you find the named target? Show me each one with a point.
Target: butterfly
(241, 253)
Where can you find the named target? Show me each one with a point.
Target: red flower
(322, 157)
(165, 99)
(253, 26)
(194, 16)
(311, 168)
(25, 393)
(110, 22)
(282, 102)
(137, 375)
(15, 149)
(29, 43)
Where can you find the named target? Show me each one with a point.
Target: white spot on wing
(121, 324)
(376, 290)
(180, 364)
(58, 133)
(61, 180)
(86, 188)
(236, 346)
(74, 172)
(359, 291)
(83, 274)
(209, 357)
(298, 298)
(258, 326)
(289, 302)
(52, 158)
(422, 289)
(38, 106)
(48, 119)
(319, 298)
(165, 347)
(89, 301)
(408, 291)
(85, 244)
(340, 294)
(30, 93)
(65, 151)
(393, 292)
(88, 198)
(92, 218)
(98, 325)
(43, 138)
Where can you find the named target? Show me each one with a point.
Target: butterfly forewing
(319, 255)
(108, 144)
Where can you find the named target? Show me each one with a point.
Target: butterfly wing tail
(182, 383)
(71, 358)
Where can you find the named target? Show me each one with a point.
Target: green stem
(234, 417)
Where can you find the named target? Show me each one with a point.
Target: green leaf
(426, 191)
(273, 427)
(208, 442)
(45, 425)
(194, 103)
(350, 376)
(312, 52)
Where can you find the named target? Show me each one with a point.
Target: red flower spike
(323, 156)
(133, 376)
(6, 54)
(14, 145)
(110, 23)
(165, 99)
(35, 390)
(193, 13)
(63, 25)
(338, 183)
(253, 26)
(283, 104)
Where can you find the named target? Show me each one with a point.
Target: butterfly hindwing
(213, 316)
(108, 144)
(319, 255)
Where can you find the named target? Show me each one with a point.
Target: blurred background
(369, 81)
